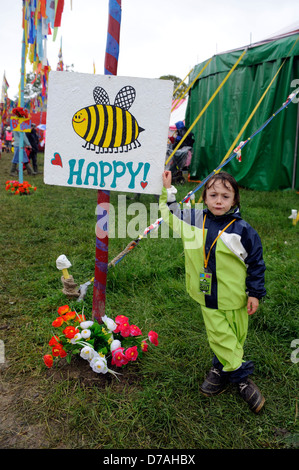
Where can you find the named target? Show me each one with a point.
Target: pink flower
(135, 331)
(153, 337)
(131, 353)
(118, 357)
(124, 329)
(121, 319)
(144, 345)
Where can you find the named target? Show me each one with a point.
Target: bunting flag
(60, 62)
(5, 87)
(40, 17)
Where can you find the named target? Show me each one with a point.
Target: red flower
(69, 316)
(135, 331)
(57, 322)
(124, 329)
(119, 358)
(64, 309)
(121, 319)
(70, 331)
(144, 345)
(80, 318)
(48, 360)
(153, 337)
(131, 353)
(56, 350)
(54, 341)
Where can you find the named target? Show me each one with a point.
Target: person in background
(15, 160)
(8, 139)
(33, 139)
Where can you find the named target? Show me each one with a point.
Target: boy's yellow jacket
(236, 259)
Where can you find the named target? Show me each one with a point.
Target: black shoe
(252, 395)
(214, 383)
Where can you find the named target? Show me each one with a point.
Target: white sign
(107, 132)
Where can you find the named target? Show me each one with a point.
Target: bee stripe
(102, 135)
(129, 128)
(109, 127)
(114, 127)
(119, 127)
(88, 124)
(96, 124)
(124, 132)
(100, 125)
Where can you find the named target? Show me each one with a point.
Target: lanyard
(206, 258)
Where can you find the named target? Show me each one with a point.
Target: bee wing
(100, 95)
(125, 97)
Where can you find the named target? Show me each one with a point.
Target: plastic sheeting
(268, 161)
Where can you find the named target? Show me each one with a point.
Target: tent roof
(269, 49)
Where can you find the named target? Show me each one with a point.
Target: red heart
(56, 160)
(143, 184)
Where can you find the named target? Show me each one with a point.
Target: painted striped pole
(102, 237)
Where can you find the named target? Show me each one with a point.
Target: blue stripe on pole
(112, 46)
(115, 10)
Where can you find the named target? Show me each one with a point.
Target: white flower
(86, 324)
(111, 325)
(87, 353)
(99, 365)
(85, 333)
(76, 338)
(115, 344)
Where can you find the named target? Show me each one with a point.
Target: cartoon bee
(105, 127)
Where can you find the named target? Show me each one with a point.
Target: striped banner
(101, 260)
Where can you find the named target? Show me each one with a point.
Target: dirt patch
(19, 395)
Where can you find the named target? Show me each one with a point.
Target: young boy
(224, 274)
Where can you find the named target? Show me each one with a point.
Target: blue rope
(228, 159)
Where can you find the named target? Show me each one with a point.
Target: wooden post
(102, 243)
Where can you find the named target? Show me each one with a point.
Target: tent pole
(296, 150)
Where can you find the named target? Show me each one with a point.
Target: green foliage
(156, 404)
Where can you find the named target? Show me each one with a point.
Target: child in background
(224, 274)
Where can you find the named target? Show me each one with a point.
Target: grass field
(157, 403)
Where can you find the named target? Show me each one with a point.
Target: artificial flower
(86, 324)
(119, 358)
(99, 365)
(96, 342)
(131, 353)
(86, 333)
(70, 332)
(54, 341)
(111, 325)
(153, 337)
(115, 345)
(135, 331)
(58, 322)
(77, 337)
(87, 353)
(121, 319)
(64, 309)
(124, 329)
(48, 360)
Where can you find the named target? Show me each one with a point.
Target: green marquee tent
(269, 161)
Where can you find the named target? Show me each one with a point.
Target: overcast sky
(158, 37)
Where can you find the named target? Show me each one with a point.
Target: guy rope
(235, 154)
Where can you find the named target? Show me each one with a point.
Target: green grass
(157, 403)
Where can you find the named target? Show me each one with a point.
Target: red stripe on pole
(102, 242)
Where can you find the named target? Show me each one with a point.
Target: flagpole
(102, 236)
(21, 141)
